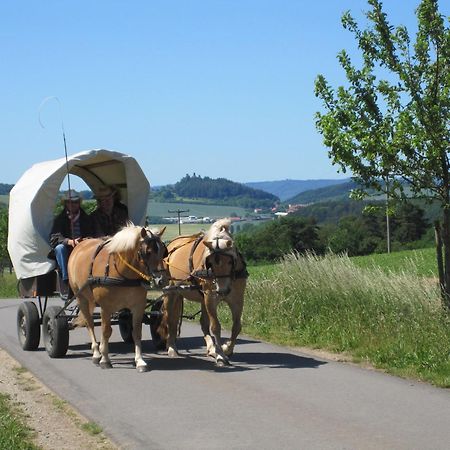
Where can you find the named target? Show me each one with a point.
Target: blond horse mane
(125, 240)
(218, 229)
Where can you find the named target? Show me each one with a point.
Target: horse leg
(236, 304)
(211, 301)
(137, 314)
(172, 304)
(86, 311)
(204, 323)
(105, 362)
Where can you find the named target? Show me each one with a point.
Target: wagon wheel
(55, 330)
(28, 326)
(126, 326)
(155, 321)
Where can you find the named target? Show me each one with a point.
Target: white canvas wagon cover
(33, 198)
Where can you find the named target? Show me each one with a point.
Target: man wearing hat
(69, 228)
(110, 215)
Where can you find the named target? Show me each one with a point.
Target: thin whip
(46, 99)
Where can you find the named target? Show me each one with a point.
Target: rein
(137, 271)
(106, 280)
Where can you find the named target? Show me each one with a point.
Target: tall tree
(391, 123)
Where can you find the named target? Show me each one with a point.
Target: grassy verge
(8, 286)
(14, 434)
(394, 321)
(415, 262)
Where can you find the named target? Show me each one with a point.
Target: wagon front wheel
(28, 326)
(55, 330)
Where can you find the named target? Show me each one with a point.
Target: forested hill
(286, 189)
(336, 192)
(219, 190)
(5, 188)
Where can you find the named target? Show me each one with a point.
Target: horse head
(152, 251)
(220, 258)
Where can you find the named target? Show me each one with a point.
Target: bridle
(154, 242)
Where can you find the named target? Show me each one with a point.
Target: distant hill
(334, 192)
(5, 188)
(286, 189)
(218, 191)
(331, 211)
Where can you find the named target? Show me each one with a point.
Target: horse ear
(161, 231)
(208, 244)
(143, 232)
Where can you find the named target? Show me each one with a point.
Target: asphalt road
(271, 398)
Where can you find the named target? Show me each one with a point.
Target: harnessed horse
(112, 274)
(207, 269)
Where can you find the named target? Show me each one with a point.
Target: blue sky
(222, 88)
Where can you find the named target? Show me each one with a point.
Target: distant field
(4, 199)
(214, 211)
(188, 228)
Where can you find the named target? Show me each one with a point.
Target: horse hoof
(228, 350)
(223, 363)
(171, 353)
(142, 369)
(96, 361)
(106, 365)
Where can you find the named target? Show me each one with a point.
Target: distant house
(294, 208)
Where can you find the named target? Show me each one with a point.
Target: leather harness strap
(106, 280)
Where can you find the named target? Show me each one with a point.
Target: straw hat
(71, 195)
(104, 192)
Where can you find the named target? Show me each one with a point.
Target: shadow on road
(192, 357)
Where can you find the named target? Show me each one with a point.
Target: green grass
(157, 209)
(8, 286)
(415, 262)
(394, 321)
(92, 428)
(14, 434)
(187, 228)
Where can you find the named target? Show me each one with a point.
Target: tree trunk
(446, 250)
(440, 261)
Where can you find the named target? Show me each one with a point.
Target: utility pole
(388, 227)
(178, 213)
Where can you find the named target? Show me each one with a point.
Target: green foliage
(366, 233)
(395, 128)
(272, 240)
(14, 434)
(393, 321)
(8, 285)
(4, 234)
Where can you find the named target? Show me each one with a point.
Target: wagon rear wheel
(55, 331)
(28, 326)
(155, 320)
(126, 326)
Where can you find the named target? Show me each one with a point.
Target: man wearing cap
(110, 215)
(69, 228)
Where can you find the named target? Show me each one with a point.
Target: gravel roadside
(56, 424)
